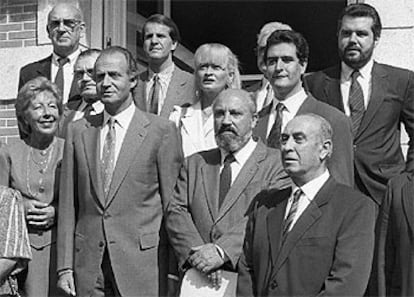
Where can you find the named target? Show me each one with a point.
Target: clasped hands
(39, 214)
(207, 259)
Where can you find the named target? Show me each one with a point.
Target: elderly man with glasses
(65, 27)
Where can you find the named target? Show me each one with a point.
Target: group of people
(123, 181)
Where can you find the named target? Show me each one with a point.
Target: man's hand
(39, 214)
(67, 283)
(205, 258)
(215, 278)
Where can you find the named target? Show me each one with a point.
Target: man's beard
(356, 62)
(231, 142)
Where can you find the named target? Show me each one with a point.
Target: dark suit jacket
(395, 260)
(42, 68)
(328, 251)
(341, 162)
(180, 91)
(193, 217)
(377, 148)
(69, 111)
(128, 223)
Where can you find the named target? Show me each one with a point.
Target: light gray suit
(128, 223)
(193, 216)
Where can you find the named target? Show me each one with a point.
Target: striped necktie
(356, 102)
(292, 212)
(108, 155)
(274, 136)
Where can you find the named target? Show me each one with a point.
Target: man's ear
(326, 151)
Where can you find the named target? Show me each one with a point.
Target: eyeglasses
(67, 23)
(80, 73)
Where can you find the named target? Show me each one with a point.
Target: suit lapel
(173, 92)
(332, 88)
(378, 87)
(243, 179)
(211, 183)
(308, 218)
(408, 203)
(261, 128)
(44, 68)
(134, 137)
(91, 137)
(275, 223)
(140, 92)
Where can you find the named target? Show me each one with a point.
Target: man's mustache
(226, 129)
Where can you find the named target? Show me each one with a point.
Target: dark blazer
(328, 251)
(69, 111)
(193, 216)
(395, 260)
(42, 68)
(180, 91)
(377, 147)
(128, 222)
(341, 162)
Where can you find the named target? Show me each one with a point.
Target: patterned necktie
(273, 140)
(225, 177)
(108, 155)
(60, 79)
(356, 102)
(292, 212)
(155, 95)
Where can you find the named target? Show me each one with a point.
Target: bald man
(65, 27)
(207, 215)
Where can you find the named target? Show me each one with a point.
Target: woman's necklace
(43, 164)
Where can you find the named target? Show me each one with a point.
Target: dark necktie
(292, 212)
(108, 155)
(60, 78)
(273, 140)
(356, 102)
(155, 95)
(225, 177)
(87, 110)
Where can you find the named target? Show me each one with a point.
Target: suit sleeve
(385, 247)
(341, 163)
(408, 120)
(245, 279)
(180, 226)
(67, 210)
(354, 250)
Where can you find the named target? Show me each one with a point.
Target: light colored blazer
(193, 217)
(195, 136)
(128, 222)
(180, 91)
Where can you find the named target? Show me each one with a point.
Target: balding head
(65, 27)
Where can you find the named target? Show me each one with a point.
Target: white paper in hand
(197, 284)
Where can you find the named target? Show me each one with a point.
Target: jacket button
(101, 244)
(107, 215)
(273, 285)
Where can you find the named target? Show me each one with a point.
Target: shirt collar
(311, 188)
(365, 71)
(123, 118)
(72, 57)
(293, 103)
(242, 154)
(167, 72)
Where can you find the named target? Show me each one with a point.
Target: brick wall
(18, 27)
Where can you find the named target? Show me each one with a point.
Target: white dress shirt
(164, 79)
(364, 80)
(292, 105)
(309, 191)
(67, 72)
(97, 108)
(122, 121)
(241, 157)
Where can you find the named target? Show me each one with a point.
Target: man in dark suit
(163, 85)
(65, 27)
(377, 98)
(262, 90)
(315, 238)
(88, 102)
(205, 223)
(286, 60)
(395, 262)
(118, 174)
